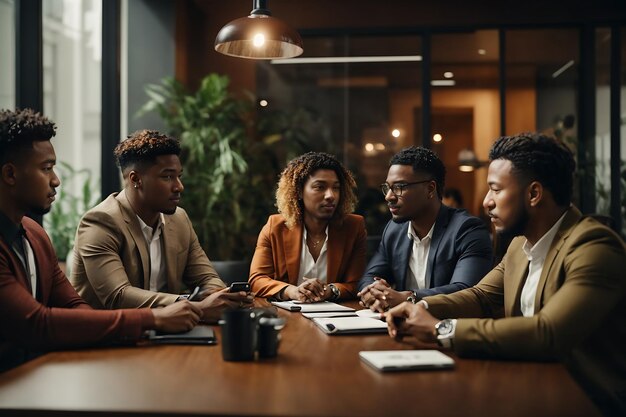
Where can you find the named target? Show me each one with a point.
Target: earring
(136, 186)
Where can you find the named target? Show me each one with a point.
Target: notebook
(405, 360)
(199, 335)
(311, 307)
(350, 325)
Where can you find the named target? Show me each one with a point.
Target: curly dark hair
(295, 175)
(20, 128)
(537, 157)
(142, 147)
(423, 160)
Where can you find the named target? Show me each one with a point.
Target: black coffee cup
(269, 336)
(239, 334)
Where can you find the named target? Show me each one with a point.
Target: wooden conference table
(313, 375)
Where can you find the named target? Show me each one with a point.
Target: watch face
(444, 327)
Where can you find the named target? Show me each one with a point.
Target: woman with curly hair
(314, 250)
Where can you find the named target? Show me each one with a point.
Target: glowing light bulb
(369, 147)
(437, 137)
(448, 74)
(395, 133)
(263, 103)
(258, 40)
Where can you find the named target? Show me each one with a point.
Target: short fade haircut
(19, 129)
(423, 160)
(542, 158)
(141, 149)
(295, 175)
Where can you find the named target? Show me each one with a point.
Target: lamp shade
(259, 36)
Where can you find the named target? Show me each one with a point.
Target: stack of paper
(350, 325)
(324, 306)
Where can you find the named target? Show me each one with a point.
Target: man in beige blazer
(137, 248)
(560, 291)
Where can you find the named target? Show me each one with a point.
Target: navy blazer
(460, 254)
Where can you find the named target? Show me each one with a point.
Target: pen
(194, 294)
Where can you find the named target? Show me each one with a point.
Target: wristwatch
(444, 330)
(413, 298)
(335, 292)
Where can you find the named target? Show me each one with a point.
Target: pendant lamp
(259, 36)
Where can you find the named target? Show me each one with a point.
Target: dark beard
(39, 211)
(517, 229)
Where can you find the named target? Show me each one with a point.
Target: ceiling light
(562, 69)
(349, 59)
(258, 36)
(468, 161)
(395, 133)
(437, 138)
(442, 83)
(448, 74)
(263, 103)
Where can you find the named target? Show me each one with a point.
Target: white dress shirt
(416, 275)
(308, 266)
(29, 264)
(158, 275)
(536, 257)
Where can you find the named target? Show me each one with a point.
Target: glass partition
(355, 97)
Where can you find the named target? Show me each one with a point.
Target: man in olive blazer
(560, 290)
(276, 260)
(112, 260)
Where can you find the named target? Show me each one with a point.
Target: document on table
(199, 335)
(324, 306)
(404, 360)
(358, 313)
(350, 325)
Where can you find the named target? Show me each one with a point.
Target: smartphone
(239, 286)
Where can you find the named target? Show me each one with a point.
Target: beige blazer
(580, 309)
(111, 267)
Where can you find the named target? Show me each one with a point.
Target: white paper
(323, 306)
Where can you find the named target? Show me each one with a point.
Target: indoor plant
(226, 201)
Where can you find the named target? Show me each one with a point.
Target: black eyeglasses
(397, 189)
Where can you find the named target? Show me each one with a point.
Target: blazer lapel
(171, 250)
(441, 223)
(401, 257)
(336, 242)
(518, 263)
(292, 239)
(571, 218)
(140, 241)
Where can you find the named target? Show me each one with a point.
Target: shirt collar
(146, 228)
(413, 236)
(540, 249)
(305, 234)
(9, 231)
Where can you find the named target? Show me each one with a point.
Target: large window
(7, 52)
(355, 97)
(72, 55)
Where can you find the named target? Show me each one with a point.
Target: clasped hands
(380, 297)
(312, 290)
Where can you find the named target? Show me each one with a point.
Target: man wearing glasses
(427, 248)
